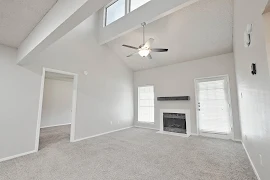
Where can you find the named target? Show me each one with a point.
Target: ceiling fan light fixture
(144, 52)
(145, 49)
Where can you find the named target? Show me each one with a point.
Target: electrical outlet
(261, 159)
(246, 138)
(118, 122)
(111, 122)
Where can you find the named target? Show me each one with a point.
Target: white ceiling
(19, 17)
(201, 30)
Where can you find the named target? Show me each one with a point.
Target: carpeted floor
(132, 154)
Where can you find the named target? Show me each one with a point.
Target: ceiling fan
(145, 49)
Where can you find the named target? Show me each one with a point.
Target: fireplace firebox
(174, 122)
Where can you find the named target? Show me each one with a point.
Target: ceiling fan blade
(149, 43)
(132, 54)
(159, 50)
(149, 56)
(132, 47)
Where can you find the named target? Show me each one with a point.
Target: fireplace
(175, 122)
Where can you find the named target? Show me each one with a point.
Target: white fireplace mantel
(182, 111)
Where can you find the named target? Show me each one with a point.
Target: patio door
(213, 107)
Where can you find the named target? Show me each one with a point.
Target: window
(115, 11)
(134, 4)
(120, 8)
(146, 104)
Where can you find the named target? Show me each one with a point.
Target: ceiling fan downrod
(143, 25)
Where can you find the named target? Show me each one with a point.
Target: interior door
(213, 107)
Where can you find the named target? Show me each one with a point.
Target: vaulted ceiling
(19, 17)
(200, 30)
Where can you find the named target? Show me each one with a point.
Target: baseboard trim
(89, 137)
(253, 167)
(237, 140)
(55, 125)
(16, 156)
(146, 128)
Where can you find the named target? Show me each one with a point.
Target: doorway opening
(57, 107)
(213, 101)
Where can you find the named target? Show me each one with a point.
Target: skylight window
(137, 3)
(115, 11)
(120, 8)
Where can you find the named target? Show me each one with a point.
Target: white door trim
(227, 79)
(74, 103)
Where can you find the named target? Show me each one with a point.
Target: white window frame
(139, 104)
(127, 10)
(228, 93)
(137, 7)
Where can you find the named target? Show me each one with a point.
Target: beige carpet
(132, 154)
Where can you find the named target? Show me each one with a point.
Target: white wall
(254, 91)
(57, 103)
(178, 80)
(19, 99)
(105, 96)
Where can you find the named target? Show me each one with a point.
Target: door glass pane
(213, 107)
(115, 11)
